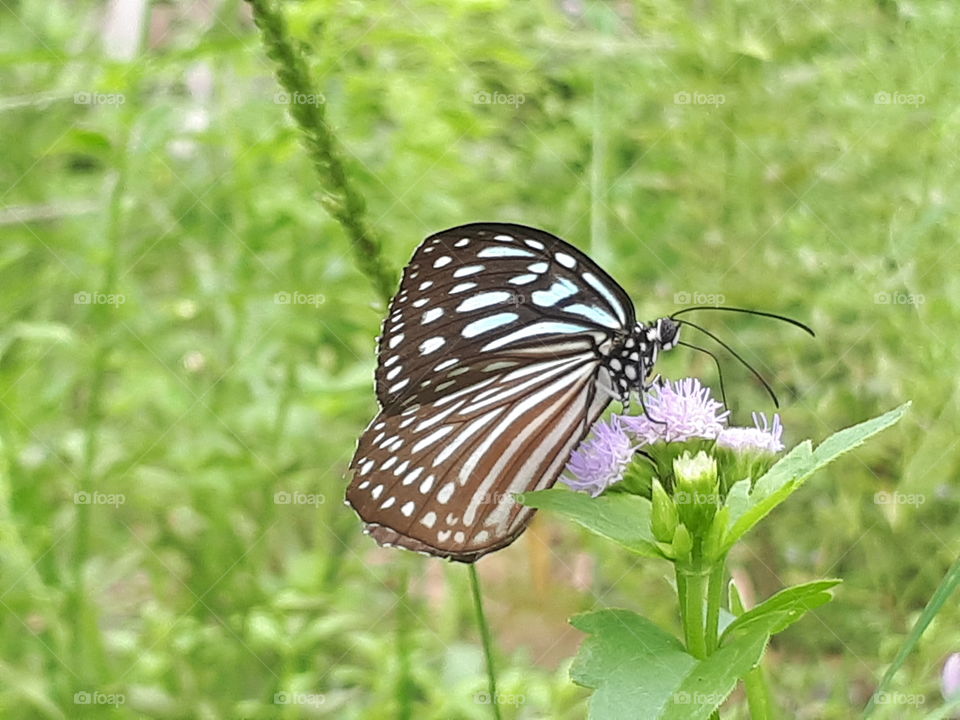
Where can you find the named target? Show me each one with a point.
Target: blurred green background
(187, 348)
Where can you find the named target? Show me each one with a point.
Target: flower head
(599, 461)
(764, 436)
(950, 677)
(684, 410)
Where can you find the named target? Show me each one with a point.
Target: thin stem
(759, 699)
(485, 638)
(339, 196)
(715, 589)
(404, 678)
(692, 614)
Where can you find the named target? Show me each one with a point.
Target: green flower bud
(682, 543)
(697, 493)
(664, 514)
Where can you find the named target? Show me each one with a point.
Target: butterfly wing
(489, 376)
(489, 291)
(440, 477)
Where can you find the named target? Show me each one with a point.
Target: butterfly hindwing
(440, 477)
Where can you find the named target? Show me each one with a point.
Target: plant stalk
(485, 638)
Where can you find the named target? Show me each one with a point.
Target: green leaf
(633, 665)
(620, 517)
(640, 671)
(794, 468)
(784, 608)
(940, 596)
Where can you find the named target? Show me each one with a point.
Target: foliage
(205, 397)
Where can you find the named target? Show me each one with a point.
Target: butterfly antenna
(737, 355)
(748, 311)
(716, 361)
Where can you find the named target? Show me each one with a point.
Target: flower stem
(694, 582)
(715, 588)
(485, 638)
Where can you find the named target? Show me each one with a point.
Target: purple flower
(950, 677)
(685, 411)
(763, 436)
(600, 460)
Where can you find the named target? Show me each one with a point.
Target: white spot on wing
(431, 315)
(467, 271)
(486, 324)
(431, 344)
(462, 287)
(408, 508)
(483, 300)
(442, 260)
(501, 252)
(566, 260)
(446, 492)
(522, 279)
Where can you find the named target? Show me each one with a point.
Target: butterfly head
(631, 362)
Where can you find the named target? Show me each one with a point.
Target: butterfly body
(501, 348)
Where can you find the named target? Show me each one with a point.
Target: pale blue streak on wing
(598, 285)
(486, 324)
(500, 252)
(544, 327)
(559, 290)
(596, 314)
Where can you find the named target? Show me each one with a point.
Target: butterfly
(501, 348)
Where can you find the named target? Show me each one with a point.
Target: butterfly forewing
(489, 374)
(490, 291)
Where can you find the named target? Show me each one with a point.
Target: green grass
(200, 396)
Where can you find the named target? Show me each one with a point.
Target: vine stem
(485, 639)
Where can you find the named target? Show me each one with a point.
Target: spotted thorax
(630, 361)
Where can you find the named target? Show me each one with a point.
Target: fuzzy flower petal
(685, 410)
(599, 461)
(764, 436)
